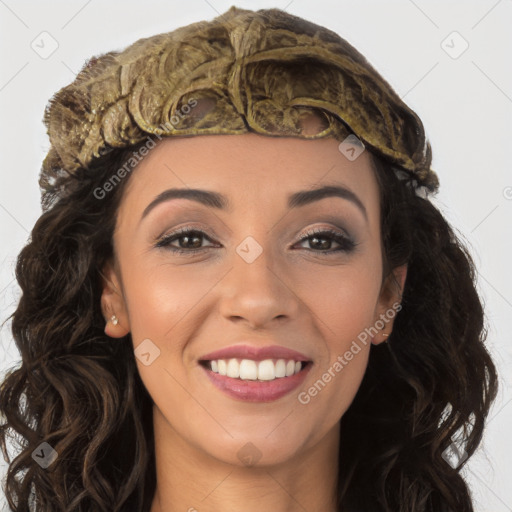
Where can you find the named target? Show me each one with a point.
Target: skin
(191, 305)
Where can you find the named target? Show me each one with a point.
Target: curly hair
(75, 389)
(81, 393)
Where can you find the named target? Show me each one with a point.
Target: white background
(465, 104)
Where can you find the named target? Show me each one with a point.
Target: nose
(258, 292)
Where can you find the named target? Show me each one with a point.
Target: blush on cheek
(160, 302)
(346, 315)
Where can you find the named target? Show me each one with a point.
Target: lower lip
(255, 390)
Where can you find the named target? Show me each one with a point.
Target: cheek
(160, 296)
(343, 300)
(164, 305)
(343, 304)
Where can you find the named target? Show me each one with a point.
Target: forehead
(250, 165)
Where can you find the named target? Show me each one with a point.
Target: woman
(191, 338)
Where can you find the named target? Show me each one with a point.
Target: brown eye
(192, 241)
(320, 240)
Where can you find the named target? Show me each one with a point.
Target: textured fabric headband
(262, 71)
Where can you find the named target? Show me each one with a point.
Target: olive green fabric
(245, 71)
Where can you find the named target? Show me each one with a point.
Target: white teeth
(280, 368)
(247, 369)
(233, 369)
(222, 366)
(266, 370)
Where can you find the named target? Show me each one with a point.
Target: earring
(114, 319)
(386, 335)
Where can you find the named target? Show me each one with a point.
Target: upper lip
(255, 353)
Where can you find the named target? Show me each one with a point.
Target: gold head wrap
(244, 71)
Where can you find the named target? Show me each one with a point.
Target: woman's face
(246, 278)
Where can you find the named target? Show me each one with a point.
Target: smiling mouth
(251, 370)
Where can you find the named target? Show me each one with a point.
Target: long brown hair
(79, 391)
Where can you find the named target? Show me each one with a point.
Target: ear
(389, 303)
(113, 302)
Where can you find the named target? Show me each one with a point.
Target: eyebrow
(221, 202)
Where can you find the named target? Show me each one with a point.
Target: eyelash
(347, 245)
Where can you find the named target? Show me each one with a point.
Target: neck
(190, 480)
